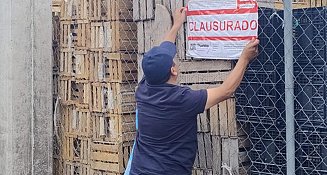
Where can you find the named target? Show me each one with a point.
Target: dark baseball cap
(157, 63)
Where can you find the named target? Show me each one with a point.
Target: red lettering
(253, 25)
(191, 25)
(237, 26)
(209, 27)
(222, 28)
(229, 25)
(202, 27)
(245, 25)
(195, 29)
(215, 26)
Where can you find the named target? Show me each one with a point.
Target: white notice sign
(219, 29)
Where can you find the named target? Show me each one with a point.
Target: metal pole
(289, 87)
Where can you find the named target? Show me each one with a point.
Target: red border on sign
(221, 38)
(224, 11)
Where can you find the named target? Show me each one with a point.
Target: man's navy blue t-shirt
(166, 141)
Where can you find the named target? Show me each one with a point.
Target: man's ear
(173, 71)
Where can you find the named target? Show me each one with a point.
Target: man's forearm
(172, 34)
(235, 77)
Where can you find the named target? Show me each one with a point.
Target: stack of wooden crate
(219, 140)
(97, 80)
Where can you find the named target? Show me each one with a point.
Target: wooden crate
(101, 36)
(208, 158)
(71, 168)
(122, 10)
(115, 98)
(77, 149)
(101, 172)
(66, 38)
(74, 9)
(55, 85)
(82, 34)
(74, 63)
(77, 122)
(110, 157)
(113, 36)
(201, 72)
(113, 67)
(113, 128)
(99, 9)
(110, 10)
(75, 92)
(125, 38)
(66, 62)
(75, 34)
(64, 90)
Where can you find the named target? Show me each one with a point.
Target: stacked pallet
(97, 80)
(297, 4)
(218, 135)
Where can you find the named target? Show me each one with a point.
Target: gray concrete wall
(25, 87)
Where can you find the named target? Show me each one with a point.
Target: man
(166, 141)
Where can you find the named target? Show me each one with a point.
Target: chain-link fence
(98, 45)
(261, 98)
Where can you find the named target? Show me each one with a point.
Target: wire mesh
(97, 45)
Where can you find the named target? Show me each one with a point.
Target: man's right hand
(251, 50)
(179, 17)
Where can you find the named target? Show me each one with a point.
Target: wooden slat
(173, 6)
(234, 153)
(223, 118)
(140, 37)
(216, 150)
(140, 70)
(202, 86)
(104, 156)
(128, 118)
(196, 161)
(147, 35)
(180, 40)
(129, 136)
(203, 77)
(150, 9)
(142, 9)
(199, 172)
(204, 122)
(113, 167)
(232, 128)
(214, 120)
(136, 10)
(166, 4)
(105, 147)
(201, 151)
(207, 65)
(128, 127)
(226, 148)
(208, 150)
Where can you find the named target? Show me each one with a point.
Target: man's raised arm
(179, 19)
(226, 90)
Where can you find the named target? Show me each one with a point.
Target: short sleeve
(170, 47)
(194, 101)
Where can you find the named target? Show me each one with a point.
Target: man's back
(166, 142)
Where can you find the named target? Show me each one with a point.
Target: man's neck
(172, 81)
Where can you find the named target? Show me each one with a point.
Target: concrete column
(25, 87)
